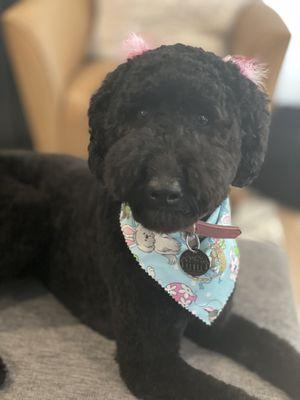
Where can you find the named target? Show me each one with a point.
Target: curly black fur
(3, 372)
(175, 122)
(176, 86)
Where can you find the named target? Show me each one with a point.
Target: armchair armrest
(46, 40)
(259, 32)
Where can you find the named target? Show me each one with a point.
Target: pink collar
(206, 229)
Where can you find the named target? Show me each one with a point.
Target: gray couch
(51, 356)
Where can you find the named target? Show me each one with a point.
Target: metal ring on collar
(190, 237)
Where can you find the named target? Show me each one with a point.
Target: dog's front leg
(3, 373)
(148, 326)
(257, 348)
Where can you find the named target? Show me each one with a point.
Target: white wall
(288, 88)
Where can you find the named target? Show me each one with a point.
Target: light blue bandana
(158, 254)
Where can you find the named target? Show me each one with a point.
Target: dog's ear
(253, 105)
(98, 122)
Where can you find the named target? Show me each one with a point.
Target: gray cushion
(51, 355)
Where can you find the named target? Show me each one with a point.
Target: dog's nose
(164, 191)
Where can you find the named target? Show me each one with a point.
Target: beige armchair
(47, 42)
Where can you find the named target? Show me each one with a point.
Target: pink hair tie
(250, 68)
(134, 45)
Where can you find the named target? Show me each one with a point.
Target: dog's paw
(3, 372)
(234, 395)
(180, 381)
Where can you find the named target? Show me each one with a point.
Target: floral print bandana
(158, 254)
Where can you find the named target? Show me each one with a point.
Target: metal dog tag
(194, 263)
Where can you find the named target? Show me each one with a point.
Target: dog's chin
(163, 221)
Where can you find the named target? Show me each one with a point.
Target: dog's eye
(202, 120)
(142, 114)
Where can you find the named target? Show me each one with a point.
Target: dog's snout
(164, 191)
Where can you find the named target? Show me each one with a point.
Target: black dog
(171, 130)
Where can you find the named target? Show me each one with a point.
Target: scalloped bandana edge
(158, 255)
